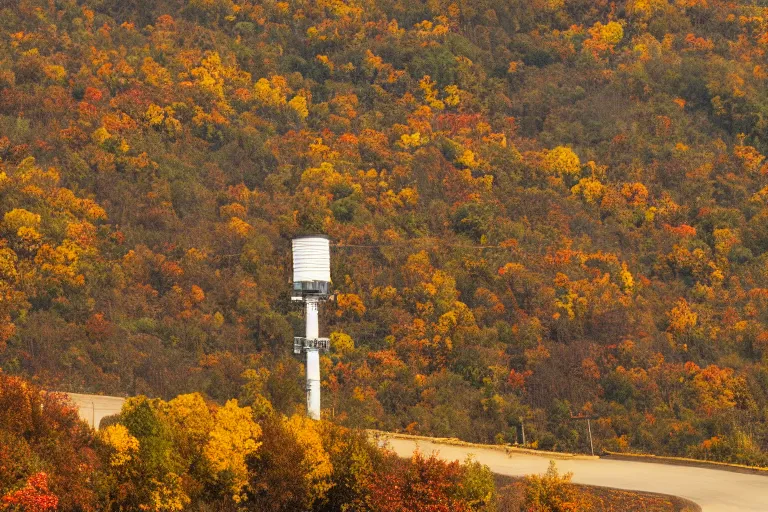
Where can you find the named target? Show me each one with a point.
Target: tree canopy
(538, 208)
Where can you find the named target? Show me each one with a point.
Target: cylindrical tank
(311, 265)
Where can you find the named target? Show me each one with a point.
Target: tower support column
(313, 360)
(313, 383)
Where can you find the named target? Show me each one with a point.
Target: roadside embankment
(452, 441)
(712, 488)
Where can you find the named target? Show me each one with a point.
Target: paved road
(715, 490)
(93, 408)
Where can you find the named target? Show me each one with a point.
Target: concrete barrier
(93, 408)
(684, 461)
(508, 449)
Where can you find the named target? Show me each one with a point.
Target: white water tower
(311, 285)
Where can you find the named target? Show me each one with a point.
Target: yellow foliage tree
(55, 73)
(299, 105)
(413, 140)
(155, 74)
(239, 227)
(611, 33)
(681, 317)
(427, 86)
(563, 161)
(20, 218)
(234, 436)
(101, 135)
(190, 419)
(269, 93)
(552, 491)
(349, 302)
(123, 444)
(452, 98)
(253, 391)
(590, 189)
(467, 159)
(316, 459)
(168, 494)
(644, 9)
(627, 281)
(342, 343)
(210, 75)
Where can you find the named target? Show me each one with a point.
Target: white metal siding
(311, 259)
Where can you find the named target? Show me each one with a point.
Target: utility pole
(589, 428)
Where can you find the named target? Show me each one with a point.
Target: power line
(456, 246)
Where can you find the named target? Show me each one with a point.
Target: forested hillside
(539, 208)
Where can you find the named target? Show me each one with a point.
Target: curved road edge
(714, 490)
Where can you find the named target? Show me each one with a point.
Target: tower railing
(300, 344)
